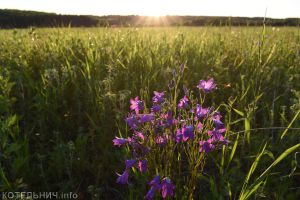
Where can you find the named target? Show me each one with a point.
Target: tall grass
(68, 92)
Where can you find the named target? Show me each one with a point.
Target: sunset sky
(249, 8)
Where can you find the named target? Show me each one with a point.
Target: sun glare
(153, 11)
(159, 8)
(154, 14)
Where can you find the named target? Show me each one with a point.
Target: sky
(247, 8)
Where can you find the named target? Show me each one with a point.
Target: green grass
(64, 95)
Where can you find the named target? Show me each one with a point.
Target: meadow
(65, 92)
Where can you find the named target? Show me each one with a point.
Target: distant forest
(24, 19)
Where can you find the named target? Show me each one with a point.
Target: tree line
(23, 19)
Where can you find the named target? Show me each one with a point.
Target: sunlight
(157, 8)
(153, 10)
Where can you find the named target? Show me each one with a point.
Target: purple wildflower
(131, 140)
(158, 126)
(216, 136)
(201, 112)
(188, 133)
(220, 138)
(167, 188)
(132, 121)
(136, 105)
(178, 136)
(119, 141)
(140, 135)
(217, 120)
(207, 86)
(123, 178)
(130, 163)
(146, 118)
(138, 150)
(220, 130)
(155, 181)
(216, 132)
(217, 116)
(158, 97)
(168, 119)
(155, 185)
(150, 194)
(155, 108)
(142, 165)
(206, 146)
(183, 103)
(199, 126)
(161, 140)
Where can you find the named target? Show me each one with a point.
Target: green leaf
(4, 179)
(289, 126)
(247, 129)
(233, 149)
(239, 112)
(247, 192)
(280, 158)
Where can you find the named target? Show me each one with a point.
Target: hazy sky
(250, 8)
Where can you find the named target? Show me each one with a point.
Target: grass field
(64, 95)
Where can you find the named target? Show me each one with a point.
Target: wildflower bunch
(169, 142)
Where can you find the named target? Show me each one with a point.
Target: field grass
(64, 94)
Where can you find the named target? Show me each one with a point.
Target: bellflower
(155, 185)
(199, 126)
(158, 97)
(220, 138)
(167, 188)
(123, 178)
(183, 103)
(136, 105)
(142, 165)
(155, 108)
(130, 163)
(207, 86)
(150, 194)
(161, 141)
(140, 135)
(178, 136)
(217, 136)
(132, 121)
(120, 141)
(138, 150)
(187, 132)
(217, 120)
(146, 118)
(168, 119)
(155, 181)
(201, 112)
(206, 146)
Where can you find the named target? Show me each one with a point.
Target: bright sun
(154, 14)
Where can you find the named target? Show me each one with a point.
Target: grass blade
(289, 126)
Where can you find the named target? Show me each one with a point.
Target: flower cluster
(169, 125)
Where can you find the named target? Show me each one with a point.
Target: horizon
(218, 8)
(137, 15)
